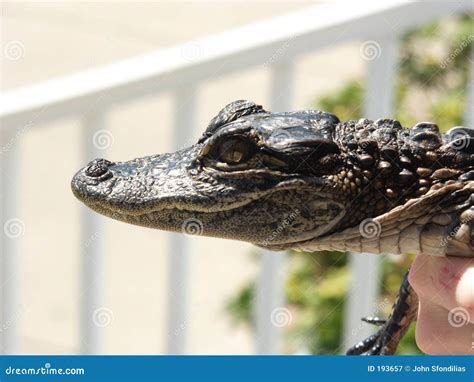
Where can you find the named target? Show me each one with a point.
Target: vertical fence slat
(270, 300)
(365, 268)
(95, 139)
(270, 296)
(13, 228)
(469, 112)
(179, 253)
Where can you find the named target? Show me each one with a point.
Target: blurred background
(121, 80)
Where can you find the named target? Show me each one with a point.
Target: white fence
(275, 43)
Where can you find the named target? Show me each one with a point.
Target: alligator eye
(234, 151)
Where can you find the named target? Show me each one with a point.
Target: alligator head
(254, 176)
(280, 179)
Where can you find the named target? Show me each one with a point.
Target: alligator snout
(98, 168)
(90, 180)
(94, 181)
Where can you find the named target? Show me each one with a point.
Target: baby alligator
(306, 181)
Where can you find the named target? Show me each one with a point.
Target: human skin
(445, 287)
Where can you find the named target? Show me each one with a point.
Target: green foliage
(436, 55)
(316, 287)
(240, 306)
(345, 103)
(431, 85)
(448, 109)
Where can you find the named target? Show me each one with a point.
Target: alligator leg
(386, 339)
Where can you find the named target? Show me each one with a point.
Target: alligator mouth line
(119, 212)
(122, 213)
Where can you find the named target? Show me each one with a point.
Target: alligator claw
(363, 346)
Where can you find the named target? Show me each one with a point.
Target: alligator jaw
(206, 216)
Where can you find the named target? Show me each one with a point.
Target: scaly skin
(302, 180)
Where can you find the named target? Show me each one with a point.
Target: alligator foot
(386, 339)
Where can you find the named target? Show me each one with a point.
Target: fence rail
(275, 44)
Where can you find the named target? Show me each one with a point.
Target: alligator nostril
(98, 167)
